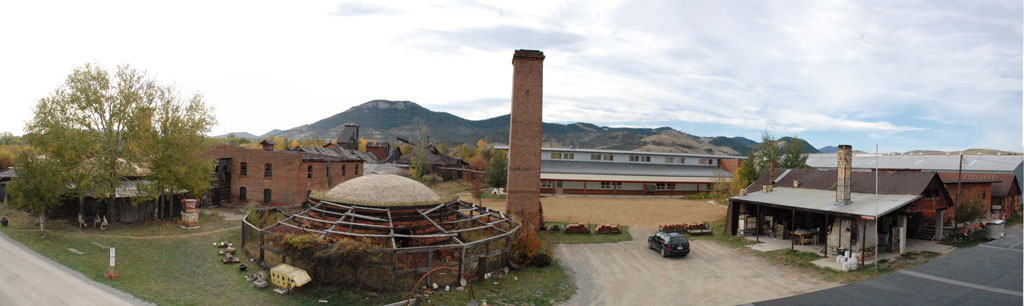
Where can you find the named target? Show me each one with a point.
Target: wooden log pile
(578, 228)
(608, 229)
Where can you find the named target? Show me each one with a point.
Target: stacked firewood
(578, 228)
(608, 229)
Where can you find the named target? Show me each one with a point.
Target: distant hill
(246, 135)
(272, 133)
(829, 149)
(808, 148)
(384, 120)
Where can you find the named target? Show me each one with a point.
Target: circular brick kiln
(412, 228)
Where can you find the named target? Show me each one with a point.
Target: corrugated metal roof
(1004, 182)
(994, 163)
(8, 173)
(863, 204)
(338, 153)
(631, 169)
(505, 147)
(895, 182)
(625, 178)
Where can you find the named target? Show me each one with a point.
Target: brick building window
(243, 169)
(241, 194)
(342, 170)
(266, 196)
(309, 172)
(356, 172)
(268, 171)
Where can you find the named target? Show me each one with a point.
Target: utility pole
(959, 179)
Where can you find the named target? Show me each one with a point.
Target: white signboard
(111, 257)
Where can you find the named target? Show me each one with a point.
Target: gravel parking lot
(628, 273)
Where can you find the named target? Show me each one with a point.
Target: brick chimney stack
(524, 141)
(844, 168)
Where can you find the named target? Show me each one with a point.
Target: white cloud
(876, 68)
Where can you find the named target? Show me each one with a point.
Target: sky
(940, 75)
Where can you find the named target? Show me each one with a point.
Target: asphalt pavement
(988, 274)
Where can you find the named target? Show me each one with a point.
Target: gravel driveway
(628, 273)
(27, 278)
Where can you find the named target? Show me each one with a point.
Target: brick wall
(730, 164)
(289, 180)
(525, 136)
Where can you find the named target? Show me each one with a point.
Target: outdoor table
(806, 235)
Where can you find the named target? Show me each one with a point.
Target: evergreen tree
(767, 152)
(497, 171)
(794, 157)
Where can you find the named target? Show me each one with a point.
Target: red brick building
(281, 177)
(998, 193)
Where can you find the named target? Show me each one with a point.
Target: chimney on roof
(844, 169)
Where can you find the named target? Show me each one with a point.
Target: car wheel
(663, 254)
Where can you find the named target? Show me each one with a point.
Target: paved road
(628, 273)
(27, 278)
(989, 274)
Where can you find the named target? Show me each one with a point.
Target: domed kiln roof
(383, 190)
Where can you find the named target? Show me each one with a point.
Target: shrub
(346, 262)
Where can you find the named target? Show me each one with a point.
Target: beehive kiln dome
(383, 190)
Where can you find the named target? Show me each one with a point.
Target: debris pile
(608, 229)
(578, 228)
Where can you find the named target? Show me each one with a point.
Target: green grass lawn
(188, 270)
(562, 237)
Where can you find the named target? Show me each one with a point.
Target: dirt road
(27, 278)
(628, 273)
(631, 211)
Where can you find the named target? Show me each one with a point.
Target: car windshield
(678, 239)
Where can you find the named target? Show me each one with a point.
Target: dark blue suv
(669, 243)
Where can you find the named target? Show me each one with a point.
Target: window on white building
(665, 186)
(640, 158)
(706, 161)
(556, 155)
(568, 156)
(545, 184)
(610, 185)
(595, 156)
(670, 160)
(608, 157)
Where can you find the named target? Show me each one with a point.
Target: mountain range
(385, 120)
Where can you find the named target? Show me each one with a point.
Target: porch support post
(792, 228)
(938, 225)
(757, 224)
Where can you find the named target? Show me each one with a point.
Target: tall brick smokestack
(524, 139)
(844, 168)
